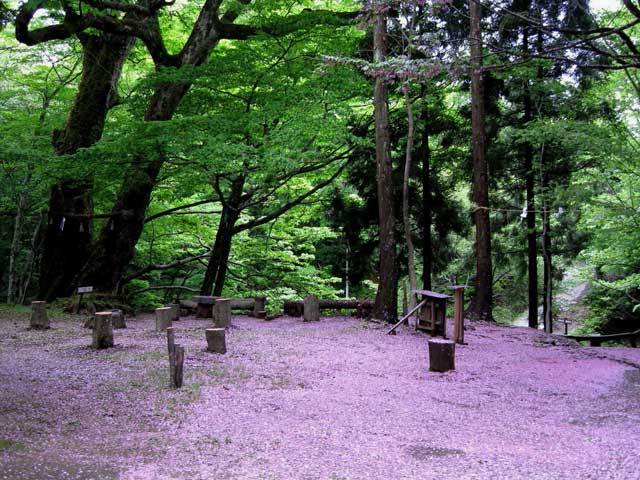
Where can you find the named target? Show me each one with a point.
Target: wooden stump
(175, 311)
(204, 305)
(441, 355)
(91, 309)
(222, 312)
(117, 319)
(176, 366)
(39, 319)
(259, 306)
(163, 318)
(102, 331)
(311, 309)
(216, 342)
(262, 314)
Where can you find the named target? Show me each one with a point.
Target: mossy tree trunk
(68, 231)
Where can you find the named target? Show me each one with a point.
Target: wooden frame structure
(432, 317)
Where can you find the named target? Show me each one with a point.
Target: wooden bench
(363, 308)
(596, 340)
(204, 305)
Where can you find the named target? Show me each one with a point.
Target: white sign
(85, 289)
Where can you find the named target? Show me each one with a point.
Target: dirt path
(573, 290)
(334, 399)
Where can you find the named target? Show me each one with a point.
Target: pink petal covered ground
(336, 399)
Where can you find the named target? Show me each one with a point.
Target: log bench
(363, 308)
(596, 340)
(204, 305)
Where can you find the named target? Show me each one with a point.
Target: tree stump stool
(39, 319)
(216, 342)
(259, 306)
(175, 311)
(441, 355)
(163, 318)
(204, 305)
(117, 319)
(311, 312)
(222, 312)
(102, 331)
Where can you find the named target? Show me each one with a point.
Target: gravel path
(336, 399)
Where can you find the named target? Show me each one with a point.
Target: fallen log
(363, 308)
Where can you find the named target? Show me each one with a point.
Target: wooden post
(175, 311)
(117, 319)
(102, 331)
(39, 319)
(458, 314)
(259, 306)
(222, 312)
(163, 318)
(171, 340)
(441, 355)
(311, 309)
(216, 342)
(171, 348)
(176, 373)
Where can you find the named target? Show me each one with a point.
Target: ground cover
(335, 399)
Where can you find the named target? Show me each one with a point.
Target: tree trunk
(482, 301)
(386, 303)
(15, 242)
(532, 248)
(68, 231)
(406, 218)
(425, 157)
(216, 273)
(114, 249)
(31, 262)
(547, 312)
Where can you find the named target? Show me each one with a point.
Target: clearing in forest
(335, 399)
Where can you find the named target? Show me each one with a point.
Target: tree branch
(164, 266)
(287, 206)
(175, 209)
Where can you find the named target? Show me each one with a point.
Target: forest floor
(335, 399)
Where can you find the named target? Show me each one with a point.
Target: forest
(216, 182)
(340, 149)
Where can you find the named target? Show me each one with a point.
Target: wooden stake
(171, 340)
(178, 370)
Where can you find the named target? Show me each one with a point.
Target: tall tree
(386, 302)
(481, 307)
(113, 249)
